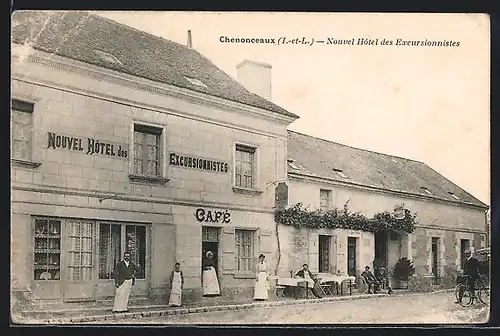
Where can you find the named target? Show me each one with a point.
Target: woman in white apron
(261, 284)
(210, 281)
(177, 283)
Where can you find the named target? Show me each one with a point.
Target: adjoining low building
(325, 175)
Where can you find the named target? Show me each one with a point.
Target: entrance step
(41, 308)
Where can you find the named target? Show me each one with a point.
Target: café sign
(212, 216)
(89, 146)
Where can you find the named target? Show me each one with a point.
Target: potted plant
(402, 272)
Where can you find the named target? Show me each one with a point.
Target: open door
(79, 261)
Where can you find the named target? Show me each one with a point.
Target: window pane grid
(47, 249)
(21, 135)
(244, 250)
(80, 251)
(244, 171)
(147, 152)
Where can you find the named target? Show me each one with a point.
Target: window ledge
(244, 275)
(25, 164)
(148, 179)
(247, 191)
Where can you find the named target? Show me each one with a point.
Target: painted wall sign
(89, 146)
(281, 196)
(199, 163)
(399, 211)
(203, 215)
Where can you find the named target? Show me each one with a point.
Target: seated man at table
(382, 275)
(304, 272)
(370, 280)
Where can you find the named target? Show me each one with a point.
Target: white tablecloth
(327, 277)
(293, 282)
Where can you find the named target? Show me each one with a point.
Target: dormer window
(195, 81)
(108, 57)
(340, 173)
(291, 164)
(424, 189)
(454, 196)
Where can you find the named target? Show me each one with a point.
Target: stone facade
(86, 102)
(448, 222)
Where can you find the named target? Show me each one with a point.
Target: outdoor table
(338, 280)
(295, 282)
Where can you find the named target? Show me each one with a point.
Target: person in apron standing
(261, 285)
(177, 283)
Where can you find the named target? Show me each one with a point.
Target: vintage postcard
(250, 168)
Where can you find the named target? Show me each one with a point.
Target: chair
(280, 292)
(326, 288)
(365, 283)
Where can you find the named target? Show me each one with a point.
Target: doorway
(464, 247)
(210, 242)
(381, 247)
(351, 256)
(434, 259)
(324, 254)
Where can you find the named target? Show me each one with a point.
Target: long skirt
(261, 287)
(176, 293)
(210, 282)
(122, 295)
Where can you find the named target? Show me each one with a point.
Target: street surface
(427, 308)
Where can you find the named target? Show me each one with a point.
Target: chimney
(189, 42)
(255, 77)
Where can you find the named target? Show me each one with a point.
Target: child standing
(177, 283)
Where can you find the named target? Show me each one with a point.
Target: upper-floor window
(147, 150)
(245, 167)
(324, 199)
(22, 130)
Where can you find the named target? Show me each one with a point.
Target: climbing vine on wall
(300, 217)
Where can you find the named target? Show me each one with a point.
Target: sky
(429, 104)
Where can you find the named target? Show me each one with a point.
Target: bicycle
(482, 294)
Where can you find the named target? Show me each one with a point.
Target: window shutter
(228, 253)
(266, 241)
(333, 254)
(313, 252)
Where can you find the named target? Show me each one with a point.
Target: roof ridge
(140, 31)
(191, 50)
(357, 148)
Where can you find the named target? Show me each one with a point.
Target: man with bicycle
(471, 273)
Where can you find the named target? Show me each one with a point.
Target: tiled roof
(100, 41)
(318, 157)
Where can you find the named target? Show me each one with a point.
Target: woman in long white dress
(261, 290)
(177, 282)
(210, 281)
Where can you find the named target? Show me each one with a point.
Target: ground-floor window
(435, 258)
(324, 254)
(351, 256)
(244, 250)
(82, 250)
(47, 249)
(80, 240)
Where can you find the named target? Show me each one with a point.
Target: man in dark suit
(304, 272)
(471, 270)
(370, 280)
(383, 277)
(124, 279)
